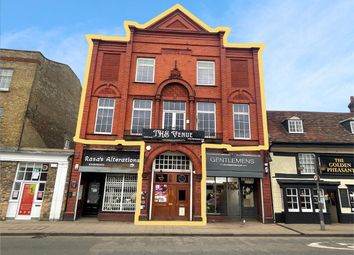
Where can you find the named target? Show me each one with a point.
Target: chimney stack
(351, 104)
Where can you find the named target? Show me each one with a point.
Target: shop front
(108, 185)
(301, 198)
(233, 186)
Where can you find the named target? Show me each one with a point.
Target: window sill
(206, 85)
(4, 90)
(144, 82)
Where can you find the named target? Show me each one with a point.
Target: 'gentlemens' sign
(234, 165)
(166, 134)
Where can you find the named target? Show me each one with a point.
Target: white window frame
(303, 159)
(306, 196)
(174, 115)
(4, 78)
(140, 109)
(139, 65)
(295, 126)
(23, 181)
(351, 123)
(351, 200)
(249, 122)
(212, 82)
(213, 112)
(105, 107)
(323, 199)
(292, 201)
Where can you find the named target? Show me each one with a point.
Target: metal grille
(172, 162)
(119, 193)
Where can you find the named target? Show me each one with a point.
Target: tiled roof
(319, 127)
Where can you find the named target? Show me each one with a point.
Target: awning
(117, 170)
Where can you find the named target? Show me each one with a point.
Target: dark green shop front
(233, 186)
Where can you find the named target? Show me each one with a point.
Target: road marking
(320, 245)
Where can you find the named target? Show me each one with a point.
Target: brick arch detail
(107, 89)
(172, 148)
(185, 84)
(240, 96)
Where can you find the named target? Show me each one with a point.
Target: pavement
(93, 227)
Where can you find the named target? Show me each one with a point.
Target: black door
(92, 200)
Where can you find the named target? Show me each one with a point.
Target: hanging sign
(340, 165)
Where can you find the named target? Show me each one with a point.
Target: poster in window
(160, 193)
(27, 199)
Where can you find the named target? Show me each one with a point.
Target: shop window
(242, 129)
(40, 193)
(305, 200)
(205, 73)
(295, 125)
(307, 163)
(104, 116)
(351, 199)
(174, 114)
(206, 118)
(145, 70)
(216, 195)
(292, 200)
(315, 200)
(5, 79)
(141, 116)
(119, 193)
(33, 172)
(16, 191)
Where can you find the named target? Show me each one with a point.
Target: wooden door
(170, 198)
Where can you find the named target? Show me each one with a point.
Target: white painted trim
(40, 157)
(59, 190)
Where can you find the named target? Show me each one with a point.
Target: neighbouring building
(39, 102)
(172, 127)
(305, 145)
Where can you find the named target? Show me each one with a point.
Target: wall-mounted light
(148, 147)
(266, 168)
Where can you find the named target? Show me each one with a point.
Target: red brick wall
(234, 83)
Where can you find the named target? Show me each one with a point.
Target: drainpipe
(263, 219)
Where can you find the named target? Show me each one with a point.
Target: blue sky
(308, 60)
